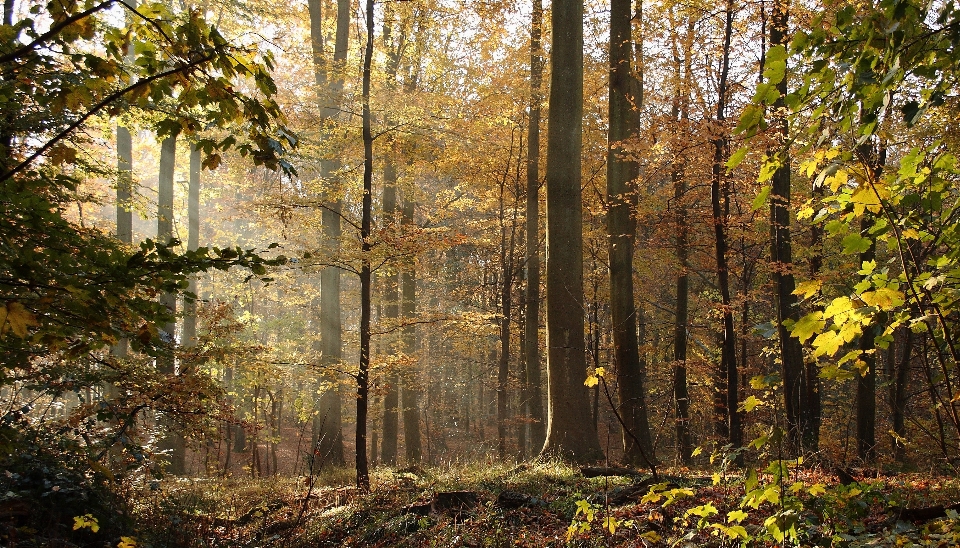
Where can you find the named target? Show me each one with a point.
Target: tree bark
(680, 113)
(569, 433)
(534, 399)
(866, 394)
(328, 423)
(363, 474)
(391, 313)
(622, 232)
(410, 392)
(193, 243)
(799, 384)
(172, 441)
(728, 398)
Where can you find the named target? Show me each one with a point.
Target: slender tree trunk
(363, 474)
(506, 307)
(193, 243)
(534, 399)
(866, 395)
(410, 395)
(391, 313)
(898, 394)
(728, 399)
(680, 113)
(622, 231)
(798, 381)
(523, 432)
(568, 434)
(124, 176)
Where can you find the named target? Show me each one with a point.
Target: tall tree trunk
(363, 474)
(568, 432)
(410, 394)
(866, 395)
(680, 114)
(506, 307)
(124, 175)
(172, 442)
(328, 427)
(391, 313)
(898, 393)
(728, 399)
(534, 398)
(798, 377)
(394, 44)
(622, 232)
(193, 243)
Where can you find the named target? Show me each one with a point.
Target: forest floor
(553, 504)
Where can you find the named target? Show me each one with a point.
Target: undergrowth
(543, 503)
(782, 505)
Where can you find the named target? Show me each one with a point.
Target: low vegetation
(543, 504)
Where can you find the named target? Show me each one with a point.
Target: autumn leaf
(18, 318)
(808, 325)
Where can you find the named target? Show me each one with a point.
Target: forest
(479, 273)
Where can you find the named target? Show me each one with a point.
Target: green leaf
(736, 158)
(761, 198)
(855, 244)
(808, 325)
(750, 120)
(751, 403)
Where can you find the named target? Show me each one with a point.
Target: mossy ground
(288, 512)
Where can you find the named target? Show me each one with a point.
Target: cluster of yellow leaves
(89, 521)
(594, 378)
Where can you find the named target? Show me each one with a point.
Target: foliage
(68, 291)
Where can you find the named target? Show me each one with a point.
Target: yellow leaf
(652, 536)
(85, 521)
(807, 288)
(19, 319)
(127, 542)
(827, 344)
(599, 371)
(696, 451)
(837, 179)
(865, 198)
(736, 516)
(838, 306)
(817, 489)
(750, 403)
(883, 298)
(592, 380)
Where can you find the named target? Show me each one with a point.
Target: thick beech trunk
(172, 442)
(569, 432)
(328, 428)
